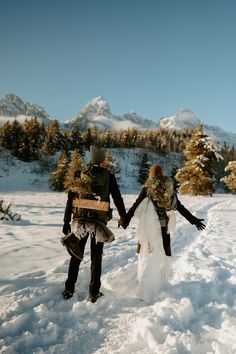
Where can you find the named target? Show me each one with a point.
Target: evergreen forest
(205, 163)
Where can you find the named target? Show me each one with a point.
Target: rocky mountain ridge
(12, 106)
(98, 113)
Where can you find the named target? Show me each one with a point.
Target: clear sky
(150, 56)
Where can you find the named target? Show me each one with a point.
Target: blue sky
(151, 56)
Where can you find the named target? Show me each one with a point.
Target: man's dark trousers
(96, 266)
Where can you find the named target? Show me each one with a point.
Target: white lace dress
(153, 264)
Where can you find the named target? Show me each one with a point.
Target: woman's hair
(156, 170)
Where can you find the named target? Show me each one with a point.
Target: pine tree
(75, 167)
(32, 140)
(57, 178)
(228, 154)
(87, 138)
(11, 137)
(6, 135)
(230, 180)
(54, 140)
(76, 140)
(143, 169)
(107, 139)
(197, 175)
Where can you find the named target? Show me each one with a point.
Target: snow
(182, 119)
(17, 175)
(110, 123)
(12, 107)
(21, 118)
(196, 314)
(185, 118)
(97, 113)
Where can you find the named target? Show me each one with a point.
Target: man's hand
(199, 225)
(66, 228)
(123, 222)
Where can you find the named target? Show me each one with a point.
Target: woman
(154, 208)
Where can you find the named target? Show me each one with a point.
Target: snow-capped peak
(97, 106)
(97, 113)
(184, 118)
(13, 107)
(97, 101)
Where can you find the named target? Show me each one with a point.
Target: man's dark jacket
(113, 190)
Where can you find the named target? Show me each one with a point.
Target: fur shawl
(160, 191)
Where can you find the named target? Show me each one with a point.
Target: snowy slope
(21, 176)
(182, 119)
(195, 315)
(16, 175)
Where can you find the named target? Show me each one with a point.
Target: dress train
(153, 264)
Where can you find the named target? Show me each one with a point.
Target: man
(103, 184)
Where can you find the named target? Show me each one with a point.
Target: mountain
(12, 107)
(98, 113)
(185, 118)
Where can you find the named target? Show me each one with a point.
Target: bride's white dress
(153, 264)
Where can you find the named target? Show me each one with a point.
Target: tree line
(205, 165)
(29, 140)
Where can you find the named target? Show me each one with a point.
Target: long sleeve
(140, 198)
(185, 212)
(68, 209)
(116, 195)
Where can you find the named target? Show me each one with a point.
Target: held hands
(199, 225)
(123, 222)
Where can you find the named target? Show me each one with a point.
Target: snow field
(195, 315)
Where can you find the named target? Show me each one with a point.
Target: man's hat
(97, 155)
